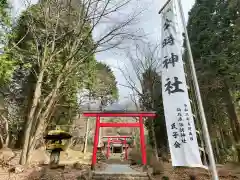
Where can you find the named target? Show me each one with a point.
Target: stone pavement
(119, 169)
(119, 172)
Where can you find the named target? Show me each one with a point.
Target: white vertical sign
(177, 109)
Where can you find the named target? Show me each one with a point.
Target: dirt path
(200, 173)
(70, 169)
(45, 173)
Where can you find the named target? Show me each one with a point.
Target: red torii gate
(115, 140)
(139, 124)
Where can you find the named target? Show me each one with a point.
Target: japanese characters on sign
(170, 60)
(173, 87)
(188, 122)
(175, 135)
(177, 109)
(178, 130)
(181, 125)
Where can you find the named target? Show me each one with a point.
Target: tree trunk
(134, 135)
(232, 113)
(20, 139)
(7, 134)
(1, 141)
(23, 157)
(5, 142)
(87, 124)
(222, 139)
(86, 137)
(204, 149)
(238, 153)
(41, 119)
(6, 129)
(27, 134)
(217, 155)
(154, 140)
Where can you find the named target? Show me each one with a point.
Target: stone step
(107, 176)
(119, 172)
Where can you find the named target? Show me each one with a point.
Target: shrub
(165, 178)
(101, 156)
(156, 165)
(135, 157)
(152, 161)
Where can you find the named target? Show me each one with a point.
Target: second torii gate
(139, 124)
(115, 139)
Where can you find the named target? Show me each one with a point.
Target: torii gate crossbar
(139, 124)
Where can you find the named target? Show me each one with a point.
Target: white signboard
(177, 109)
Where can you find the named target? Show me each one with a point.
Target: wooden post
(126, 149)
(127, 153)
(108, 147)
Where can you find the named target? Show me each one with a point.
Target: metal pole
(164, 6)
(202, 114)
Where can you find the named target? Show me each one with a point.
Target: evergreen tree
(213, 32)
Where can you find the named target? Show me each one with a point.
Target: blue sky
(149, 22)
